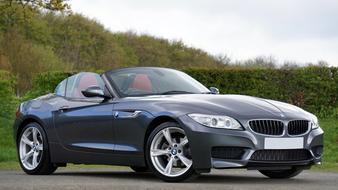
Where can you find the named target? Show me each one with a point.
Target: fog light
(317, 150)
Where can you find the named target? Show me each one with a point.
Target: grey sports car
(162, 120)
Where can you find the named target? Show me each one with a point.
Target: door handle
(63, 108)
(132, 114)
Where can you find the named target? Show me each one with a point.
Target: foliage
(313, 88)
(28, 59)
(21, 13)
(331, 140)
(7, 145)
(45, 83)
(34, 41)
(7, 99)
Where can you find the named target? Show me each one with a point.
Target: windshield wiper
(176, 92)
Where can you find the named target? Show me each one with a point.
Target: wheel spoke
(184, 141)
(169, 166)
(28, 155)
(185, 160)
(158, 152)
(25, 140)
(35, 159)
(167, 136)
(39, 147)
(35, 135)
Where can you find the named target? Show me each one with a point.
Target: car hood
(231, 105)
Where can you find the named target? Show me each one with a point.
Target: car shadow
(202, 179)
(243, 179)
(110, 174)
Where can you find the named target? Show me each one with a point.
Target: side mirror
(94, 91)
(214, 90)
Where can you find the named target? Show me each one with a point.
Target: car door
(85, 124)
(131, 121)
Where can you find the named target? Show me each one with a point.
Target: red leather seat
(142, 82)
(86, 81)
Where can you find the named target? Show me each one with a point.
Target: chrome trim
(308, 128)
(285, 127)
(132, 115)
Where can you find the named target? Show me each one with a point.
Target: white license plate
(284, 143)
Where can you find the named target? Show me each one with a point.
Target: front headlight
(314, 123)
(216, 121)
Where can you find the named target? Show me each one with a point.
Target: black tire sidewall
(188, 174)
(45, 159)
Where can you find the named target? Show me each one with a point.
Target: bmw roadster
(164, 121)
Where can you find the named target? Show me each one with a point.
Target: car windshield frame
(116, 88)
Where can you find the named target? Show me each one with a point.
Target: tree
(52, 5)
(223, 59)
(16, 12)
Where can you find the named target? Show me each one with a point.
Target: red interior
(142, 82)
(85, 82)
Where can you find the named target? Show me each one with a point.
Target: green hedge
(313, 88)
(45, 83)
(7, 94)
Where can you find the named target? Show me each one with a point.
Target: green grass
(327, 167)
(7, 145)
(8, 157)
(330, 127)
(330, 159)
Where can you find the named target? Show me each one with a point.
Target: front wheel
(168, 153)
(281, 174)
(33, 151)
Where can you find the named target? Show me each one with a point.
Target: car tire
(139, 169)
(187, 172)
(281, 174)
(27, 143)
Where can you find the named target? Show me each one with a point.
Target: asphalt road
(125, 179)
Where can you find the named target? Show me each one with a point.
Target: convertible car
(164, 121)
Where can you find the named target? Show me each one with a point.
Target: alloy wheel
(170, 152)
(31, 148)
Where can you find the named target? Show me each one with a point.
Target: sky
(288, 30)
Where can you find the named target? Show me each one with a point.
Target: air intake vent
(298, 127)
(281, 155)
(234, 153)
(267, 127)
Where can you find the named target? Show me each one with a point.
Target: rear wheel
(281, 174)
(33, 151)
(168, 153)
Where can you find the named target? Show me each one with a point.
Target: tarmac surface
(125, 179)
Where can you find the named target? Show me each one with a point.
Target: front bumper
(203, 139)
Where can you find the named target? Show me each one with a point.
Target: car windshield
(154, 81)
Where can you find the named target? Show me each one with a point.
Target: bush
(7, 95)
(313, 88)
(45, 83)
